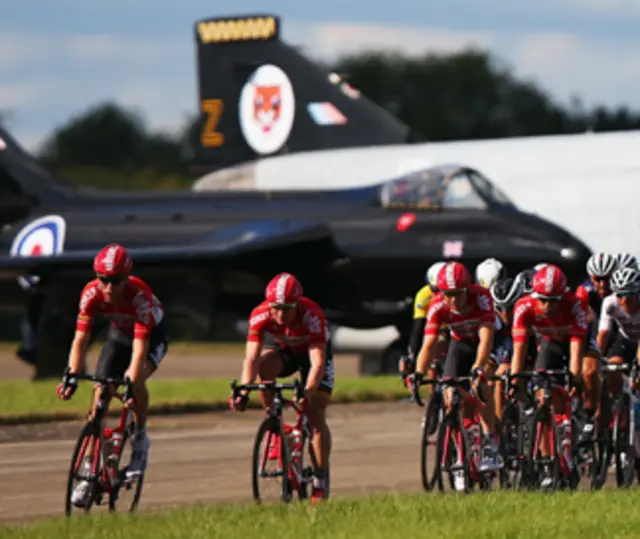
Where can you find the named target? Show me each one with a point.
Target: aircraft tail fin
(259, 97)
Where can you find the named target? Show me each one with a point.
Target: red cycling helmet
(453, 276)
(112, 260)
(549, 282)
(283, 290)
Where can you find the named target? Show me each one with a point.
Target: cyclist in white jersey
(622, 311)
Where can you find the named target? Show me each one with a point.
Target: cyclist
(622, 310)
(626, 260)
(135, 345)
(505, 293)
(489, 271)
(420, 307)
(467, 309)
(302, 344)
(560, 320)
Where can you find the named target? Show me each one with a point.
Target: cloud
(16, 96)
(330, 40)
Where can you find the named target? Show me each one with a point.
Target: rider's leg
(272, 364)
(321, 440)
(590, 394)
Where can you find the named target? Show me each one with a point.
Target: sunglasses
(599, 279)
(453, 293)
(282, 306)
(111, 279)
(625, 294)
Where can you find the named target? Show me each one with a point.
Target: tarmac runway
(207, 458)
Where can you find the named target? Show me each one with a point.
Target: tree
(105, 135)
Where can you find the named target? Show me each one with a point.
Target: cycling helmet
(526, 278)
(432, 273)
(601, 265)
(489, 271)
(549, 282)
(626, 260)
(625, 280)
(283, 290)
(453, 276)
(540, 265)
(506, 292)
(112, 260)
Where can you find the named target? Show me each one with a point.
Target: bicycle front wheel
(271, 461)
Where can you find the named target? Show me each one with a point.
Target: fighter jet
(361, 253)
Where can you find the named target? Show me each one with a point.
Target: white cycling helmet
(626, 260)
(432, 273)
(489, 271)
(601, 265)
(625, 280)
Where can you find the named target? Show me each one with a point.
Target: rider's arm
(485, 334)
(250, 365)
(433, 322)
(578, 334)
(415, 341)
(78, 351)
(520, 334)
(604, 328)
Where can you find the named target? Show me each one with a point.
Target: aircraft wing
(266, 237)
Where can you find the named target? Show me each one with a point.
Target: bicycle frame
(296, 474)
(108, 472)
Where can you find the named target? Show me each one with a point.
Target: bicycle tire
(625, 475)
(427, 426)
(271, 426)
(87, 431)
(139, 482)
(449, 423)
(541, 415)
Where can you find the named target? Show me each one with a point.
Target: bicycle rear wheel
(451, 457)
(271, 447)
(122, 484)
(77, 471)
(543, 469)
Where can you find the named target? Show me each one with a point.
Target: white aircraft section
(586, 183)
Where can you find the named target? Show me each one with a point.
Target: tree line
(466, 95)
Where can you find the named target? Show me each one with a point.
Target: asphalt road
(207, 458)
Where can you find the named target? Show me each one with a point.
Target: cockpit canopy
(443, 188)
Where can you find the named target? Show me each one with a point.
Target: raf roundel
(43, 237)
(267, 109)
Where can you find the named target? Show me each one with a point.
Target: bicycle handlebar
(296, 386)
(101, 379)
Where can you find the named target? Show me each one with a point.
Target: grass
(25, 401)
(582, 515)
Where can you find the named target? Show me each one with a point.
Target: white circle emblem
(267, 109)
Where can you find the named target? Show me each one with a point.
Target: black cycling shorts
(460, 358)
(624, 348)
(300, 362)
(115, 356)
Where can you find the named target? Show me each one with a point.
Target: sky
(59, 58)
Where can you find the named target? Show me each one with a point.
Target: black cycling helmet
(506, 292)
(526, 279)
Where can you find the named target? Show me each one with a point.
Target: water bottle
(564, 431)
(295, 443)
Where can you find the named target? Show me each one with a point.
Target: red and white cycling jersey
(568, 322)
(307, 328)
(463, 326)
(135, 314)
(628, 324)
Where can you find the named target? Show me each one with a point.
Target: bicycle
(106, 477)
(558, 467)
(290, 439)
(516, 432)
(463, 463)
(620, 436)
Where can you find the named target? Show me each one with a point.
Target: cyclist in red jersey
(135, 345)
(560, 321)
(301, 343)
(467, 309)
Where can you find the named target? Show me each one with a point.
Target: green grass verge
(583, 515)
(30, 402)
